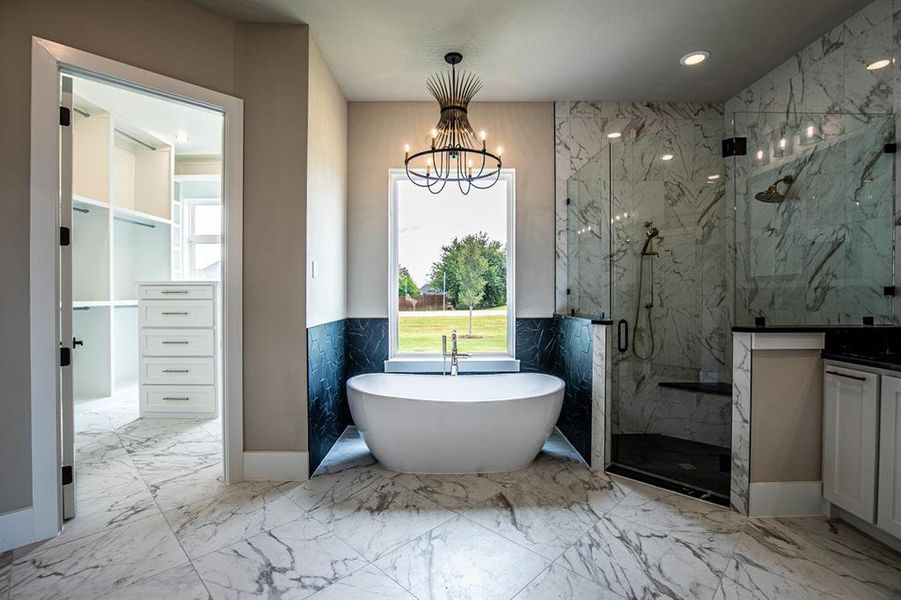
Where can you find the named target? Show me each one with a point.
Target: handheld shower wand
(651, 232)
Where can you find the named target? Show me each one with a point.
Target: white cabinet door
(889, 512)
(850, 418)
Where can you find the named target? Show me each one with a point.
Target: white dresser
(179, 349)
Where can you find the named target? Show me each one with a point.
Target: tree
(405, 284)
(495, 275)
(469, 271)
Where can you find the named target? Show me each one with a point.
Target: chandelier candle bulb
(453, 140)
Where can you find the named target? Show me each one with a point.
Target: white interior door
(66, 338)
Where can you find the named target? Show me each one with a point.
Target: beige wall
(178, 39)
(786, 415)
(377, 132)
(326, 195)
(271, 76)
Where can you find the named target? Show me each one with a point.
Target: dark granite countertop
(804, 328)
(891, 362)
(594, 320)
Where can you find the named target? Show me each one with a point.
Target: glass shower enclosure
(676, 244)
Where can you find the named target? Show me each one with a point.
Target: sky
(428, 221)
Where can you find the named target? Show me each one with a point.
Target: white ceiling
(162, 118)
(552, 49)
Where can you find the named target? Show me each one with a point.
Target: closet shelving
(122, 233)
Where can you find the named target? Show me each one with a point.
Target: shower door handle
(622, 335)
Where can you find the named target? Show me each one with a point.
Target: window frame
(428, 361)
(189, 240)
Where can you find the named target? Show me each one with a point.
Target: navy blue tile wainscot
(573, 365)
(367, 345)
(327, 408)
(536, 344)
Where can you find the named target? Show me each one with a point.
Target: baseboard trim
(786, 499)
(16, 529)
(276, 466)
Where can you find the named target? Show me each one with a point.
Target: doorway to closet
(141, 415)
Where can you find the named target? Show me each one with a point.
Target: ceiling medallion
(454, 151)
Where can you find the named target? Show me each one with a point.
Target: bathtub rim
(560, 386)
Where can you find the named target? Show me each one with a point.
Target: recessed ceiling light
(614, 134)
(879, 64)
(666, 157)
(694, 58)
(713, 177)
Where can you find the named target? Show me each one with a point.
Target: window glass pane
(207, 219)
(452, 269)
(207, 261)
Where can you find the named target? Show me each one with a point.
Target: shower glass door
(671, 224)
(588, 238)
(814, 199)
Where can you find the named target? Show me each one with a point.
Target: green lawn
(423, 333)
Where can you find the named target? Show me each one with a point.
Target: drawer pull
(184, 312)
(176, 371)
(176, 342)
(176, 398)
(854, 377)
(174, 292)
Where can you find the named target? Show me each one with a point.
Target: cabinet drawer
(174, 292)
(173, 398)
(177, 342)
(177, 371)
(177, 313)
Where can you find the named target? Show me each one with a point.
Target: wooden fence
(424, 302)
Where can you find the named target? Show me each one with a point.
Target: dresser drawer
(182, 399)
(177, 342)
(177, 313)
(161, 370)
(176, 292)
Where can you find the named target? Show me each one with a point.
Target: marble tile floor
(356, 531)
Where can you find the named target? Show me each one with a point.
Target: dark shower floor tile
(694, 468)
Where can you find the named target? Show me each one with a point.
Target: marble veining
(740, 486)
(555, 530)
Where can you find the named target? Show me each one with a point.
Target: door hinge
(65, 356)
(65, 116)
(65, 236)
(67, 474)
(567, 201)
(737, 146)
(567, 291)
(890, 148)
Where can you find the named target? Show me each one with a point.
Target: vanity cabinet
(889, 503)
(850, 439)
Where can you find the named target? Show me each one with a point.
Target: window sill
(486, 364)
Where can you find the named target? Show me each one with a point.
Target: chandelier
(454, 151)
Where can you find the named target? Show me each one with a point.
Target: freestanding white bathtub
(464, 424)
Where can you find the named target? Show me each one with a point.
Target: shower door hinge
(65, 356)
(890, 148)
(737, 146)
(567, 291)
(65, 116)
(65, 236)
(567, 201)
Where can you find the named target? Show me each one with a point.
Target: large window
(451, 268)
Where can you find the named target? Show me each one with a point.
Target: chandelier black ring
(455, 153)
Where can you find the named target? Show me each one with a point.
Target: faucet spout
(455, 356)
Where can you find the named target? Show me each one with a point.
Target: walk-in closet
(146, 252)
